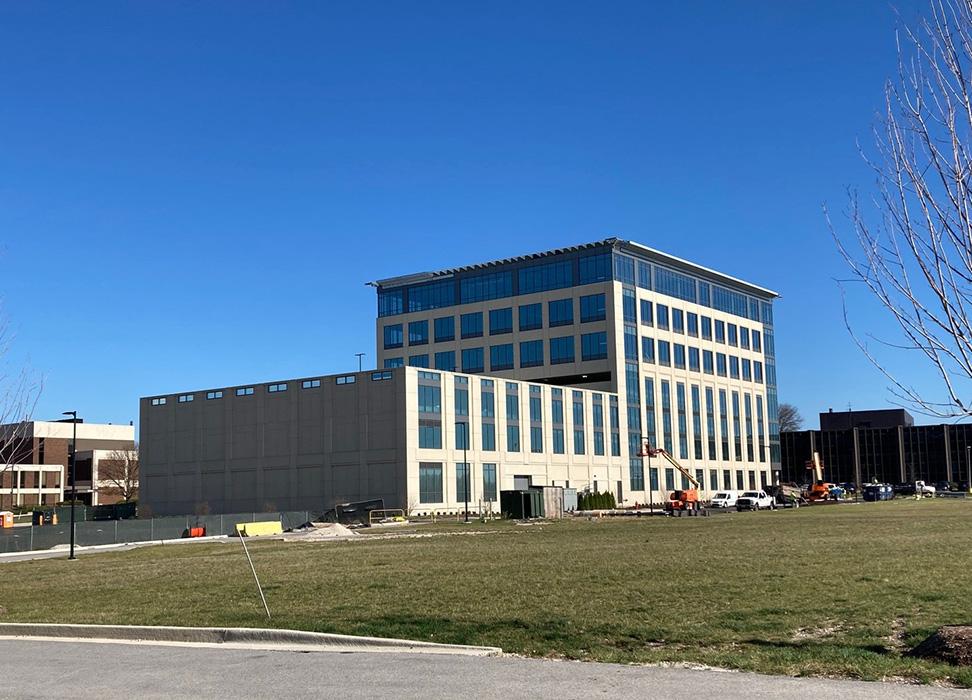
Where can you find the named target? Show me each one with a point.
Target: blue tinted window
(744, 338)
(624, 269)
(757, 342)
(664, 353)
(418, 333)
(705, 296)
(391, 302)
(491, 285)
(418, 361)
(531, 317)
(561, 350)
(766, 313)
(393, 336)
(560, 312)
(393, 362)
(720, 331)
(629, 306)
(706, 328)
(471, 324)
(594, 346)
(546, 276)
(648, 350)
(500, 321)
(661, 316)
(446, 361)
(445, 329)
(630, 343)
(692, 324)
(472, 360)
(747, 370)
(679, 351)
(674, 284)
(733, 334)
(647, 313)
(721, 364)
(693, 359)
(592, 308)
(678, 321)
(758, 371)
(707, 365)
(501, 357)
(733, 367)
(433, 295)
(594, 268)
(531, 353)
(644, 275)
(729, 301)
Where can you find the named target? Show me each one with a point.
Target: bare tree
(913, 251)
(118, 474)
(790, 418)
(19, 391)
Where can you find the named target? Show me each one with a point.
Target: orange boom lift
(681, 499)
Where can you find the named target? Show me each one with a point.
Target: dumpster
(44, 517)
(878, 492)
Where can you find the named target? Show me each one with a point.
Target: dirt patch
(895, 640)
(828, 629)
(951, 644)
(321, 531)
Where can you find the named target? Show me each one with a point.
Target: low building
(884, 446)
(393, 434)
(35, 459)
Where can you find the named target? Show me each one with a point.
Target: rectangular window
(666, 396)
(624, 269)
(562, 350)
(430, 411)
(630, 343)
(748, 407)
(393, 336)
(531, 353)
(546, 276)
(693, 359)
(276, 388)
(418, 333)
(245, 391)
(720, 331)
(393, 362)
(736, 426)
(484, 287)
(560, 312)
(706, 328)
(744, 338)
(536, 439)
(721, 364)
(212, 395)
(489, 482)
(597, 415)
(536, 419)
(675, 284)
(733, 367)
(347, 379)
(471, 324)
(747, 370)
(578, 402)
(159, 401)
(430, 482)
(531, 317)
(445, 329)
(446, 360)
(678, 321)
(501, 357)
(592, 308)
(431, 295)
(651, 427)
(462, 435)
(186, 398)
(391, 302)
(692, 324)
(501, 321)
(647, 313)
(758, 372)
(310, 383)
(679, 353)
(615, 428)
(760, 430)
(757, 344)
(594, 268)
(707, 364)
(682, 422)
(594, 346)
(644, 275)
(472, 360)
(512, 417)
(419, 360)
(697, 422)
(629, 307)
(664, 353)
(557, 420)
(733, 334)
(648, 350)
(724, 425)
(461, 396)
(661, 316)
(710, 427)
(380, 376)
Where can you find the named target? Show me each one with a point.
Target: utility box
(570, 500)
(6, 519)
(521, 505)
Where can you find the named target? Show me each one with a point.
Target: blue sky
(194, 194)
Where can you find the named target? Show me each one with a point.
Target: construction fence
(100, 532)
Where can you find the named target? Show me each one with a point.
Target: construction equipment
(820, 490)
(681, 499)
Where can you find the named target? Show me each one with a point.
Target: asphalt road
(42, 669)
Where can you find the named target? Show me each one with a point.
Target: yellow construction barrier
(266, 527)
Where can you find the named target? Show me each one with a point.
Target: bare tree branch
(118, 474)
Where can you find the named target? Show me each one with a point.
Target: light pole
(359, 355)
(74, 482)
(968, 463)
(465, 465)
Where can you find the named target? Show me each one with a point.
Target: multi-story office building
(689, 351)
(408, 436)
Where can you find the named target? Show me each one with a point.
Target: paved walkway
(40, 669)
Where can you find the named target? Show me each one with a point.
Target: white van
(725, 499)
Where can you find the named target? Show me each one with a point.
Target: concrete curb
(237, 637)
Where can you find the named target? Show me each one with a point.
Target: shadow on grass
(811, 645)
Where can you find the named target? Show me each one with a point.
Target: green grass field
(825, 590)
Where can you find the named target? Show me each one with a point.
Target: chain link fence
(91, 533)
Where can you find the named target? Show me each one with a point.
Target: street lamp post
(359, 355)
(465, 465)
(74, 481)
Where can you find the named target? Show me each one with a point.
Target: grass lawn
(824, 590)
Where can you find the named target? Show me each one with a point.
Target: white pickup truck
(754, 500)
(924, 490)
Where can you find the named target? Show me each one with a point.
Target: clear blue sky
(194, 194)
